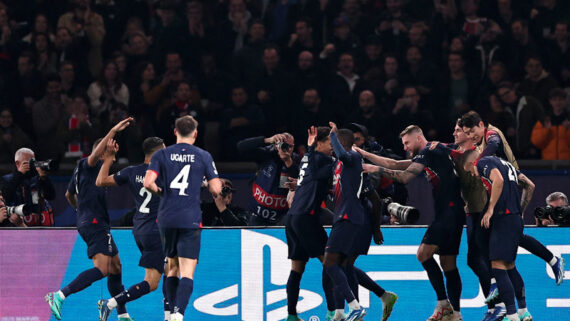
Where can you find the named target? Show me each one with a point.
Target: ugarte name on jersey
(186, 158)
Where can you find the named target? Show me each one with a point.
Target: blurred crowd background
(70, 69)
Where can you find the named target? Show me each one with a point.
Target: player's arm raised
(103, 178)
(402, 176)
(496, 191)
(384, 161)
(100, 149)
(527, 191)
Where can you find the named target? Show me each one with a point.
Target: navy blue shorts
(99, 240)
(152, 255)
(306, 237)
(477, 237)
(345, 238)
(181, 242)
(363, 239)
(506, 232)
(446, 235)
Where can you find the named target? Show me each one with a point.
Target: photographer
(31, 186)
(9, 220)
(221, 212)
(554, 201)
(268, 203)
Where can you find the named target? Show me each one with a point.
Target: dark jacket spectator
(537, 83)
(46, 115)
(12, 137)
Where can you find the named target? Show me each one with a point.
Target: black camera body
(226, 190)
(560, 214)
(283, 146)
(404, 214)
(48, 165)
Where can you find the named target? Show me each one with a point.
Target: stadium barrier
(242, 275)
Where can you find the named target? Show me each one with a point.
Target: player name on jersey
(182, 158)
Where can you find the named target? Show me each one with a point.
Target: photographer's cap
(228, 183)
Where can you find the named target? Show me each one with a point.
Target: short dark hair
(52, 78)
(506, 84)
(533, 56)
(185, 125)
(523, 22)
(151, 145)
(411, 129)
(323, 133)
(30, 55)
(470, 119)
(306, 20)
(346, 138)
(557, 93)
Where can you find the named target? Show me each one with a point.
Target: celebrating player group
(476, 181)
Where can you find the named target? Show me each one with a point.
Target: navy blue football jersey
(91, 204)
(181, 169)
(347, 184)
(510, 200)
(440, 172)
(313, 183)
(144, 221)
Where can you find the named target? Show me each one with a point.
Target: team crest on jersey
(267, 171)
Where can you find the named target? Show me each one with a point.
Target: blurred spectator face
(342, 31)
(373, 51)
(394, 6)
(346, 64)
(239, 97)
(412, 94)
(173, 62)
(351, 7)
(194, 12)
(6, 118)
(62, 38)
(416, 36)
(83, 4)
(558, 104)
(41, 24)
(303, 31)
(459, 136)
(390, 66)
(3, 17)
(134, 25)
(507, 95)
(41, 42)
(311, 99)
(121, 62)
(533, 68)
(66, 73)
(496, 73)
(138, 44)
(504, 7)
(111, 72)
(491, 32)
(25, 66)
(456, 45)
(519, 31)
(561, 32)
(495, 104)
(53, 90)
(455, 63)
(80, 106)
(469, 7)
(305, 60)
(257, 32)
(183, 92)
(366, 101)
(413, 56)
(270, 58)
(237, 6)
(208, 64)
(148, 73)
(166, 16)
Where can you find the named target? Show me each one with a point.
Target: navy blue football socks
(506, 290)
(532, 245)
(454, 286)
(171, 290)
(328, 288)
(340, 282)
(368, 283)
(185, 288)
(436, 278)
(115, 286)
(293, 287)
(133, 293)
(83, 280)
(518, 285)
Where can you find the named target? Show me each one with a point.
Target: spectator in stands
(372, 54)
(83, 22)
(301, 40)
(46, 115)
(248, 61)
(502, 118)
(556, 199)
(343, 40)
(544, 17)
(221, 212)
(145, 92)
(29, 186)
(419, 72)
(12, 137)
(199, 36)
(280, 17)
(458, 89)
(76, 131)
(107, 89)
(41, 25)
(473, 26)
(552, 135)
(311, 112)
(496, 73)
(369, 115)
(393, 24)
(538, 82)
(69, 86)
(488, 50)
(73, 49)
(183, 104)
(345, 86)
(521, 46)
(240, 120)
(136, 50)
(114, 17)
(410, 109)
(391, 83)
(214, 86)
(527, 111)
(505, 14)
(308, 75)
(559, 53)
(46, 58)
(168, 32)
(233, 29)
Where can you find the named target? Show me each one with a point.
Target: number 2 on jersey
(180, 182)
(147, 196)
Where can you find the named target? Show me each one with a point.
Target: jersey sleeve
(492, 144)
(122, 177)
(71, 187)
(211, 171)
(485, 165)
(422, 157)
(155, 162)
(339, 150)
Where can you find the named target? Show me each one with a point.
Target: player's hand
(291, 184)
(369, 168)
(122, 124)
(111, 149)
(312, 136)
(486, 221)
(378, 237)
(359, 150)
(333, 127)
(17, 220)
(433, 145)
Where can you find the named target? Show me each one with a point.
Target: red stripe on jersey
(345, 216)
(507, 211)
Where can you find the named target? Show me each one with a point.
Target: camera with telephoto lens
(404, 214)
(283, 146)
(21, 210)
(560, 215)
(48, 165)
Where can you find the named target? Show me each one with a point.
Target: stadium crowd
(71, 69)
